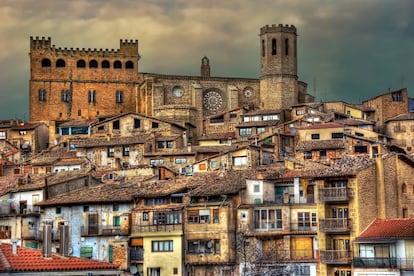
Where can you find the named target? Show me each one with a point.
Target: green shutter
(116, 221)
(110, 253)
(86, 252)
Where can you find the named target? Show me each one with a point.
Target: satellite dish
(133, 269)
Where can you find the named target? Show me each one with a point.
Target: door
(93, 227)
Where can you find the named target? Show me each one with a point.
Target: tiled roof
(402, 117)
(93, 194)
(104, 142)
(258, 123)
(86, 122)
(262, 112)
(67, 176)
(353, 122)
(398, 228)
(320, 144)
(32, 260)
(213, 149)
(322, 126)
(71, 161)
(26, 126)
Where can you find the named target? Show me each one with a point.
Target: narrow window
(125, 151)
(42, 95)
(111, 152)
(404, 188)
(274, 45)
(137, 123)
(154, 125)
(110, 253)
(91, 96)
(115, 124)
(65, 96)
(105, 64)
(286, 46)
(263, 48)
(79, 112)
(119, 96)
(116, 221)
(81, 63)
(93, 64)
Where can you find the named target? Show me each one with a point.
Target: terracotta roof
(67, 175)
(26, 126)
(353, 122)
(261, 112)
(104, 142)
(32, 260)
(71, 161)
(258, 123)
(398, 228)
(320, 144)
(86, 122)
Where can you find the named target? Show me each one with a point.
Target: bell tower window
(286, 46)
(263, 48)
(274, 48)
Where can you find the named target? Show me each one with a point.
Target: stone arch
(129, 65)
(60, 63)
(93, 64)
(46, 62)
(117, 64)
(81, 63)
(105, 64)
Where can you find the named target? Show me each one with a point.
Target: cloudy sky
(348, 50)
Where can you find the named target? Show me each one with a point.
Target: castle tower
(278, 56)
(205, 67)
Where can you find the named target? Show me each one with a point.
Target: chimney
(47, 238)
(14, 246)
(64, 238)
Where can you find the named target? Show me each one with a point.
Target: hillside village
(200, 175)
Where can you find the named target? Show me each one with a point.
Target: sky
(349, 50)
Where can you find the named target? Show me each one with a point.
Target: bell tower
(278, 74)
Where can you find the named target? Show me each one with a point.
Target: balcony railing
(334, 225)
(136, 255)
(157, 228)
(103, 230)
(287, 255)
(305, 226)
(334, 194)
(335, 256)
(398, 263)
(35, 234)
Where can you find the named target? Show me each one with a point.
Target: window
(111, 152)
(251, 118)
(119, 96)
(86, 252)
(198, 216)
(260, 130)
(307, 155)
(170, 144)
(256, 188)
(216, 217)
(116, 221)
(337, 135)
(361, 149)
(145, 216)
(161, 144)
(129, 65)
(58, 210)
(2, 135)
(203, 246)
(115, 124)
(65, 96)
(217, 120)
(117, 64)
(270, 117)
(154, 162)
(300, 111)
(115, 207)
(322, 154)
(405, 213)
(91, 96)
(245, 131)
(274, 47)
(137, 123)
(240, 161)
(93, 64)
(180, 160)
(315, 136)
(46, 63)
(286, 46)
(306, 220)
(170, 217)
(105, 64)
(81, 63)
(154, 125)
(404, 188)
(42, 95)
(263, 48)
(397, 97)
(268, 219)
(79, 112)
(5, 232)
(86, 208)
(162, 246)
(60, 63)
(125, 151)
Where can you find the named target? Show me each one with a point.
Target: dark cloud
(348, 50)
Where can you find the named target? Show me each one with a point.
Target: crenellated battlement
(129, 47)
(278, 28)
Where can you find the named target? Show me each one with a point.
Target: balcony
(136, 255)
(288, 255)
(157, 228)
(335, 225)
(305, 226)
(376, 263)
(334, 194)
(103, 230)
(335, 256)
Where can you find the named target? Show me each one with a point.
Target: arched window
(81, 63)
(46, 62)
(286, 46)
(93, 64)
(117, 64)
(129, 65)
(263, 48)
(404, 188)
(274, 45)
(60, 63)
(105, 64)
